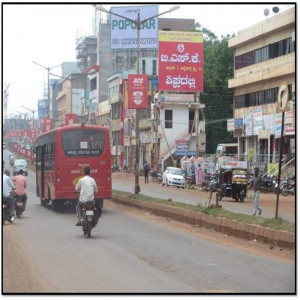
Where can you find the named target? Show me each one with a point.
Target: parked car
(20, 164)
(173, 176)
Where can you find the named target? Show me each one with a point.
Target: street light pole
(48, 73)
(32, 111)
(138, 23)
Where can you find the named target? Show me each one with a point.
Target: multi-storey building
(264, 58)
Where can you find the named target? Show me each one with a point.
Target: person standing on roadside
(146, 171)
(256, 182)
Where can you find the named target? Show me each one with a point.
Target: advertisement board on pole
(180, 61)
(137, 91)
(124, 33)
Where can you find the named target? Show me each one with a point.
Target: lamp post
(138, 23)
(48, 73)
(32, 111)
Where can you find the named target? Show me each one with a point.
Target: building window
(133, 62)
(277, 49)
(143, 66)
(154, 67)
(168, 118)
(115, 111)
(116, 138)
(93, 84)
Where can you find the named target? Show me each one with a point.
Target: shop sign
(289, 130)
(278, 122)
(230, 125)
(181, 147)
(238, 123)
(289, 117)
(236, 164)
(264, 134)
(268, 123)
(248, 125)
(179, 98)
(180, 61)
(257, 120)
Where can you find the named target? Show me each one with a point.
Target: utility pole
(138, 23)
(197, 124)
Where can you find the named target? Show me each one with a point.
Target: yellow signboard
(273, 169)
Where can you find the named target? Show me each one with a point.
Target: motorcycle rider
(20, 183)
(87, 187)
(8, 188)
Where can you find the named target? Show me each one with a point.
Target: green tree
(218, 99)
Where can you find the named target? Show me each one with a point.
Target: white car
(173, 176)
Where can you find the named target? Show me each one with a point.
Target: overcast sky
(47, 34)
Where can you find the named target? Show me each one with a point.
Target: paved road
(125, 182)
(44, 252)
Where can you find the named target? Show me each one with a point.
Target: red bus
(61, 156)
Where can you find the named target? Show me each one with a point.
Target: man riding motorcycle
(8, 188)
(20, 183)
(87, 187)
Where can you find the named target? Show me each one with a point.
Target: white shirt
(7, 185)
(87, 186)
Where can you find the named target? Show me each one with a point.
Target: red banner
(180, 61)
(47, 124)
(33, 134)
(71, 119)
(137, 91)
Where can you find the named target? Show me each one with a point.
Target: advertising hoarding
(137, 91)
(180, 61)
(71, 119)
(124, 32)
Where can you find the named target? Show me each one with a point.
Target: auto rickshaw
(233, 183)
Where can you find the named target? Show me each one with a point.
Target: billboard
(137, 91)
(124, 33)
(71, 119)
(180, 61)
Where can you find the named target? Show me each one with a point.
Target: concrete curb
(280, 238)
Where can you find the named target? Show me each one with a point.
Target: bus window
(79, 142)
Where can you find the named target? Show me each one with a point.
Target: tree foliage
(218, 99)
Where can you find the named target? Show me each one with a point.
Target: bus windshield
(83, 142)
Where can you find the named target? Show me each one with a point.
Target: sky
(47, 34)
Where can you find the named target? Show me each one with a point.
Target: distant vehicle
(62, 154)
(227, 149)
(18, 165)
(174, 177)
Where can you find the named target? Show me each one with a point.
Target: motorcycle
(159, 177)
(19, 205)
(288, 187)
(268, 184)
(206, 182)
(91, 214)
(115, 167)
(5, 212)
(190, 180)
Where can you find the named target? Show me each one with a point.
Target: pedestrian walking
(146, 171)
(256, 182)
